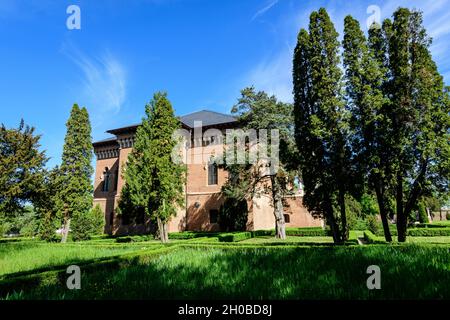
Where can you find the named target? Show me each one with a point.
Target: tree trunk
(332, 222)
(163, 231)
(383, 212)
(65, 231)
(402, 219)
(280, 225)
(345, 231)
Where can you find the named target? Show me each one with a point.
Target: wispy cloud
(264, 9)
(103, 82)
(273, 75)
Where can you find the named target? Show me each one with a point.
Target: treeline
(371, 113)
(38, 201)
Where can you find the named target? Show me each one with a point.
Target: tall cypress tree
(365, 78)
(321, 122)
(74, 197)
(420, 116)
(153, 179)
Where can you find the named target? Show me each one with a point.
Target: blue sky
(202, 52)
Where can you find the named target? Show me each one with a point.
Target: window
(116, 179)
(212, 174)
(213, 216)
(105, 185)
(287, 218)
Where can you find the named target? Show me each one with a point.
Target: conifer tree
(74, 197)
(21, 169)
(365, 78)
(154, 180)
(420, 116)
(321, 122)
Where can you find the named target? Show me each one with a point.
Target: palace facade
(203, 195)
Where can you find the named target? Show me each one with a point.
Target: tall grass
(407, 272)
(16, 257)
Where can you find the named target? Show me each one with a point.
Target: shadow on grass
(407, 272)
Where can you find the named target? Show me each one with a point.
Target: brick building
(203, 186)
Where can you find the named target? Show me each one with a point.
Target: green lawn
(19, 256)
(256, 268)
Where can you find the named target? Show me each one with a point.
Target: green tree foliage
(365, 76)
(420, 116)
(21, 169)
(98, 220)
(233, 215)
(74, 196)
(154, 180)
(46, 206)
(85, 224)
(259, 111)
(422, 212)
(321, 122)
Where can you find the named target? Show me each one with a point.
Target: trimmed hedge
(369, 237)
(299, 232)
(191, 235)
(431, 232)
(421, 232)
(235, 237)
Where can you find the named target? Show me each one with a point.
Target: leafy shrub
(372, 224)
(369, 205)
(447, 216)
(360, 225)
(353, 211)
(85, 224)
(422, 211)
(47, 227)
(235, 237)
(233, 215)
(98, 220)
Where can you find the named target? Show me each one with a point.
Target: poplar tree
(321, 122)
(153, 179)
(365, 76)
(74, 197)
(420, 116)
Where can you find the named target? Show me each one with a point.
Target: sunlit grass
(407, 272)
(29, 255)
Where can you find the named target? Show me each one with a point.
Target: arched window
(287, 218)
(106, 175)
(212, 174)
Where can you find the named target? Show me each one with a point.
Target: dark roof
(208, 118)
(103, 142)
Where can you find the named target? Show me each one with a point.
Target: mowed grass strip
(17, 257)
(407, 272)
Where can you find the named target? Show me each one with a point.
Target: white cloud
(103, 85)
(274, 75)
(264, 9)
